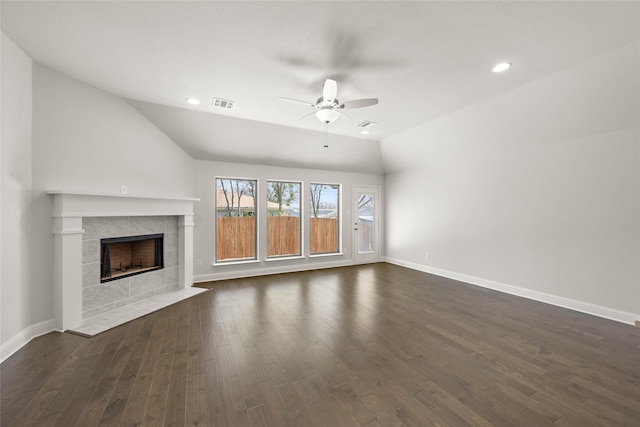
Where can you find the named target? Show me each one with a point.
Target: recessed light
(501, 67)
(365, 132)
(193, 101)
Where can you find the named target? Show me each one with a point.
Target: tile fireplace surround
(80, 220)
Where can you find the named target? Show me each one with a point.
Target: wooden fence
(283, 235)
(236, 236)
(323, 235)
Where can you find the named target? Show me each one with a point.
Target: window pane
(283, 220)
(235, 219)
(366, 212)
(324, 224)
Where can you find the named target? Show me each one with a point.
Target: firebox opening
(131, 255)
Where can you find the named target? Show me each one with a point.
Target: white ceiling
(421, 59)
(229, 139)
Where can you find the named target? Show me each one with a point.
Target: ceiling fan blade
(359, 103)
(343, 114)
(307, 115)
(297, 101)
(329, 90)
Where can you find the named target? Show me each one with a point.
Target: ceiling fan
(328, 107)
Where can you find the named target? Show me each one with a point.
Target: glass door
(366, 229)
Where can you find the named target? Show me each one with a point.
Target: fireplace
(116, 250)
(127, 256)
(82, 220)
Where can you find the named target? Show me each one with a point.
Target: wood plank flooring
(372, 345)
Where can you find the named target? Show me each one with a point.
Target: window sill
(223, 263)
(326, 255)
(284, 258)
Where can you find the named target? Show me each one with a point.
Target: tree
(316, 194)
(233, 195)
(240, 191)
(282, 193)
(226, 196)
(365, 201)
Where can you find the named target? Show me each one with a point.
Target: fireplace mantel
(78, 204)
(70, 207)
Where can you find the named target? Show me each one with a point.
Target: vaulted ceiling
(421, 60)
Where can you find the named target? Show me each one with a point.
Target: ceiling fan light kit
(327, 115)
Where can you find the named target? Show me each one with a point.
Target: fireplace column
(185, 243)
(67, 271)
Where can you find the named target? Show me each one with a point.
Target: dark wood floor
(374, 345)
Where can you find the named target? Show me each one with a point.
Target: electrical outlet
(198, 263)
(124, 189)
(427, 255)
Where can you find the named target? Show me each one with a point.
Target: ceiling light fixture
(327, 115)
(365, 132)
(193, 101)
(503, 66)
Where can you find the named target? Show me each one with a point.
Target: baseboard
(583, 307)
(225, 275)
(16, 342)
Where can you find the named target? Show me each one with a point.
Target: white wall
(86, 139)
(15, 289)
(204, 236)
(536, 191)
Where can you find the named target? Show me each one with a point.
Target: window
(366, 222)
(235, 219)
(283, 219)
(324, 227)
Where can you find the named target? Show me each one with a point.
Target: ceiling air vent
(223, 103)
(366, 124)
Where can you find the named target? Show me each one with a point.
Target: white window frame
(233, 261)
(340, 221)
(301, 225)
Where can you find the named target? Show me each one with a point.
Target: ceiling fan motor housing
(321, 103)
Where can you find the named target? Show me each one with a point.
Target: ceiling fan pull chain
(326, 144)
